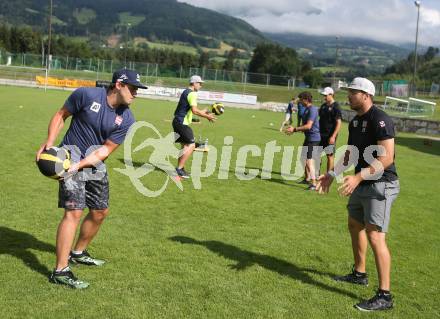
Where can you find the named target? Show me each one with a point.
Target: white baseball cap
(362, 84)
(196, 79)
(327, 91)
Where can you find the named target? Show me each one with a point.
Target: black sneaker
(85, 259)
(304, 181)
(380, 301)
(66, 277)
(354, 278)
(182, 173)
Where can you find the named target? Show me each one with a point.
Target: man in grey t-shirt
(312, 138)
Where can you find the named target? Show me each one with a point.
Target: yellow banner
(64, 82)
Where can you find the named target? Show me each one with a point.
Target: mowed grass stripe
(243, 249)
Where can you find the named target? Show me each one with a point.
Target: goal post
(408, 108)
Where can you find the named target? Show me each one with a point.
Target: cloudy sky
(384, 20)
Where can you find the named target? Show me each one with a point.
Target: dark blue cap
(128, 77)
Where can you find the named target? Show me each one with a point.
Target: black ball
(54, 162)
(217, 108)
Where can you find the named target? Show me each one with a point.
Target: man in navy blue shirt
(100, 121)
(330, 120)
(310, 128)
(372, 190)
(300, 113)
(288, 114)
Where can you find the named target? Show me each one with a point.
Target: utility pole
(50, 36)
(126, 44)
(336, 63)
(414, 89)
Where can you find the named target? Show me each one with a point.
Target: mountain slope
(164, 20)
(321, 50)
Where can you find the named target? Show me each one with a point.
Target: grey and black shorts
(84, 190)
(312, 148)
(371, 203)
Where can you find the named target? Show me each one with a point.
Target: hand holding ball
(54, 162)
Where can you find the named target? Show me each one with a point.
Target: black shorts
(328, 148)
(186, 135)
(84, 190)
(310, 145)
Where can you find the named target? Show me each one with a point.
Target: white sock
(77, 252)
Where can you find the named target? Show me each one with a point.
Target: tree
(203, 59)
(230, 59)
(313, 78)
(274, 59)
(430, 53)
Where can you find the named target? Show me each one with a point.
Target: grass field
(264, 93)
(234, 249)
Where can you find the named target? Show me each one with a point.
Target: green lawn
(264, 93)
(233, 249)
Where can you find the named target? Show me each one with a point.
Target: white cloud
(390, 20)
(430, 17)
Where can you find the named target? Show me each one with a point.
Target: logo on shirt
(382, 124)
(355, 123)
(364, 124)
(118, 120)
(95, 107)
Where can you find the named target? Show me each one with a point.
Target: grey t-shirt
(311, 114)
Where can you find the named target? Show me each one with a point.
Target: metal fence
(100, 69)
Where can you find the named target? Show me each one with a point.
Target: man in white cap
(185, 109)
(372, 190)
(329, 125)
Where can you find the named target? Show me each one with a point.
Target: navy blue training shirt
(301, 110)
(366, 130)
(289, 108)
(94, 121)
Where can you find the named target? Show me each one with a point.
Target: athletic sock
(385, 293)
(77, 252)
(360, 274)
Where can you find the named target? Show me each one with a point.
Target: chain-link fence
(99, 69)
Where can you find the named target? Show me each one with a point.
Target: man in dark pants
(310, 128)
(329, 125)
(185, 109)
(300, 113)
(288, 114)
(101, 120)
(372, 190)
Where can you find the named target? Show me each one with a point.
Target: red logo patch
(118, 120)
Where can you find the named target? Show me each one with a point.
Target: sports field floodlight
(336, 87)
(417, 4)
(126, 43)
(50, 35)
